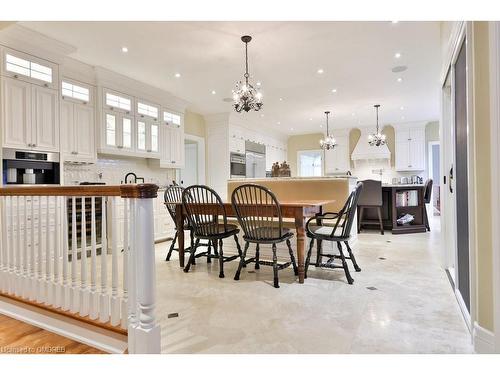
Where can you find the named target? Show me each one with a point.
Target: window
(141, 135)
(110, 130)
(310, 163)
(171, 118)
(118, 101)
(154, 138)
(71, 90)
(147, 110)
(127, 133)
(28, 68)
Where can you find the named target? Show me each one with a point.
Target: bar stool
(371, 197)
(427, 200)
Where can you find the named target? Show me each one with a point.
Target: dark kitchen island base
(398, 200)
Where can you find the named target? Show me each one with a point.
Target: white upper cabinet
(148, 129)
(118, 102)
(16, 113)
(45, 119)
(30, 69)
(410, 148)
(171, 141)
(337, 160)
(77, 122)
(30, 116)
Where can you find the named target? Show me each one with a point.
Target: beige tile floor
(413, 309)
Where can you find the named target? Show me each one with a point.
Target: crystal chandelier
(329, 142)
(376, 139)
(245, 96)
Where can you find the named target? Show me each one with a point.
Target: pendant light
(329, 142)
(376, 139)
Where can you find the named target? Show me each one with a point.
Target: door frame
(430, 168)
(201, 156)
(494, 40)
(464, 31)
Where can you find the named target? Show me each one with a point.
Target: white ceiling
(357, 58)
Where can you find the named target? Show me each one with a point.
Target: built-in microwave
(30, 168)
(238, 165)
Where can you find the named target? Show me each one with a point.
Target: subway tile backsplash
(112, 171)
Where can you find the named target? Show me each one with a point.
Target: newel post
(144, 334)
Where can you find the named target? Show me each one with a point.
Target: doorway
(434, 168)
(193, 172)
(456, 191)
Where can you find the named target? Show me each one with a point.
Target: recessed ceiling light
(397, 55)
(400, 79)
(261, 115)
(281, 99)
(291, 129)
(353, 114)
(213, 92)
(258, 83)
(402, 108)
(334, 90)
(310, 119)
(320, 71)
(124, 49)
(279, 123)
(177, 75)
(394, 21)
(321, 126)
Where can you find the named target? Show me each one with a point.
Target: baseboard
(484, 340)
(96, 337)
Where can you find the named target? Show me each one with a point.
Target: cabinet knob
(173, 161)
(16, 76)
(45, 85)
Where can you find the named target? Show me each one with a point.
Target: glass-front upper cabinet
(147, 127)
(28, 68)
(118, 131)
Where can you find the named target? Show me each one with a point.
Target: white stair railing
(48, 236)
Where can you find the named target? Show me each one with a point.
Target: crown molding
(31, 42)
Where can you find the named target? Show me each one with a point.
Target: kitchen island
(397, 200)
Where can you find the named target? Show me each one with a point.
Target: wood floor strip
(17, 337)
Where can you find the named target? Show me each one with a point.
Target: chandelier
(245, 96)
(329, 142)
(376, 139)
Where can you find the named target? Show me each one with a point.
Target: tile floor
(412, 309)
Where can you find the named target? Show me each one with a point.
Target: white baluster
(85, 293)
(33, 281)
(25, 280)
(17, 273)
(132, 284)
(47, 283)
(39, 289)
(94, 300)
(115, 300)
(65, 288)
(4, 251)
(57, 253)
(124, 303)
(104, 297)
(147, 336)
(75, 295)
(11, 278)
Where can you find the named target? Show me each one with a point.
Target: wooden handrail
(124, 191)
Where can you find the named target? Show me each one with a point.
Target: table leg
(179, 215)
(299, 226)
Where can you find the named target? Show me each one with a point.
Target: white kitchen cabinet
(171, 146)
(45, 119)
(16, 113)
(337, 160)
(117, 133)
(30, 116)
(148, 137)
(410, 148)
(237, 138)
(78, 132)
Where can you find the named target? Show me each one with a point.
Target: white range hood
(363, 151)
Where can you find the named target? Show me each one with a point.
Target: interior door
(461, 175)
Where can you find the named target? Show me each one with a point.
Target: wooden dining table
(300, 211)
